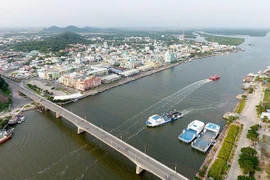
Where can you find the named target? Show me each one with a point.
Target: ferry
(207, 137)
(5, 135)
(214, 78)
(157, 120)
(192, 131)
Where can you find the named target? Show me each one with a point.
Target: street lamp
(145, 149)
(175, 167)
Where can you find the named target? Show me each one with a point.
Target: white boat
(207, 137)
(157, 120)
(21, 119)
(192, 131)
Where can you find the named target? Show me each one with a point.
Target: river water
(47, 148)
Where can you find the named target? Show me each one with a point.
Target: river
(47, 148)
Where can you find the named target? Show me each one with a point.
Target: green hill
(51, 44)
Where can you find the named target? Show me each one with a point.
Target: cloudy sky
(136, 13)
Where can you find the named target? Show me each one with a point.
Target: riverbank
(247, 118)
(105, 87)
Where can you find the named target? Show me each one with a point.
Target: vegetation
(245, 178)
(224, 40)
(3, 122)
(5, 95)
(217, 169)
(34, 88)
(202, 171)
(249, 32)
(252, 133)
(197, 178)
(51, 44)
(232, 133)
(219, 166)
(240, 106)
(248, 160)
(267, 95)
(260, 109)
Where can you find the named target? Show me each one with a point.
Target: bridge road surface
(139, 158)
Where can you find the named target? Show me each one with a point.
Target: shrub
(217, 169)
(225, 151)
(245, 178)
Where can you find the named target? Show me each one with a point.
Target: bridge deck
(139, 158)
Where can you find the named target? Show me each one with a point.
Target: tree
(245, 178)
(247, 160)
(249, 150)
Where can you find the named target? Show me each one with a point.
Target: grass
(266, 95)
(240, 106)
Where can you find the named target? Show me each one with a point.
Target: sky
(136, 13)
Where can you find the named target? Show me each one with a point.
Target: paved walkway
(248, 118)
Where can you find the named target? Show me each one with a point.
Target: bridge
(141, 160)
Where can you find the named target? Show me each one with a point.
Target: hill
(51, 44)
(74, 29)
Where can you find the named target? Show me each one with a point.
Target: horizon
(120, 14)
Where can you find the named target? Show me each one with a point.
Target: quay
(140, 159)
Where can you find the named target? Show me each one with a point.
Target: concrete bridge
(142, 160)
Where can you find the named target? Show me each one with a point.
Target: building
(88, 82)
(110, 78)
(130, 72)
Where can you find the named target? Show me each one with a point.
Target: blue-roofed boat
(157, 120)
(207, 137)
(192, 131)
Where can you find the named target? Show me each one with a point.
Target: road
(139, 158)
(248, 118)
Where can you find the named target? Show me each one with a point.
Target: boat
(21, 119)
(207, 137)
(14, 120)
(5, 135)
(157, 120)
(192, 131)
(214, 78)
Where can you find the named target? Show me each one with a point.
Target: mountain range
(74, 29)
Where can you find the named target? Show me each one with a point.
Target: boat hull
(4, 139)
(169, 118)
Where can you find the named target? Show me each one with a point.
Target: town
(79, 68)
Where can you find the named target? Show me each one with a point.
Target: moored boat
(214, 78)
(14, 120)
(192, 131)
(157, 120)
(21, 119)
(5, 135)
(207, 137)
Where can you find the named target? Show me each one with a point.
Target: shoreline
(105, 87)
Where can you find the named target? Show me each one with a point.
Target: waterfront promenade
(142, 160)
(248, 118)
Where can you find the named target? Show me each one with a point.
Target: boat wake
(164, 104)
(211, 106)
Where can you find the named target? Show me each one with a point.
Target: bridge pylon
(79, 131)
(139, 169)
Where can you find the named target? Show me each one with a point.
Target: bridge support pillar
(79, 131)
(57, 115)
(139, 169)
(45, 108)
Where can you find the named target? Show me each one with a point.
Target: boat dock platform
(206, 138)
